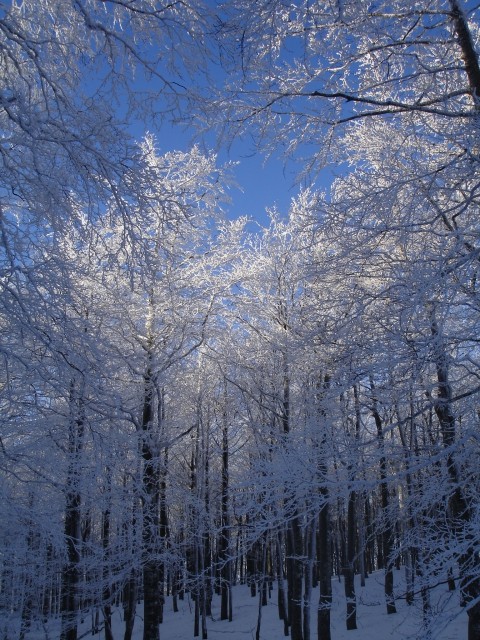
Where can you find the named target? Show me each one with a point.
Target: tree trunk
(469, 55)
(152, 601)
(459, 509)
(224, 543)
(263, 580)
(324, 547)
(29, 586)
(349, 573)
(164, 531)
(387, 535)
(294, 541)
(295, 577)
(310, 551)
(129, 595)
(106, 596)
(282, 600)
(324, 570)
(70, 571)
(360, 511)
(349, 570)
(130, 604)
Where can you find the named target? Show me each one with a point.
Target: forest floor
(449, 621)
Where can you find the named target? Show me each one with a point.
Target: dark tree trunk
(282, 599)
(28, 597)
(106, 596)
(324, 542)
(459, 509)
(152, 596)
(350, 551)
(295, 577)
(310, 552)
(411, 553)
(349, 568)
(467, 47)
(130, 587)
(130, 604)
(370, 544)
(263, 581)
(387, 533)
(252, 569)
(294, 539)
(224, 543)
(164, 531)
(206, 544)
(324, 571)
(72, 528)
(359, 512)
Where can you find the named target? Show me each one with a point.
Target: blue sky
(261, 183)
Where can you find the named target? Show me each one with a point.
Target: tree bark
(460, 511)
(324, 560)
(150, 505)
(295, 577)
(469, 55)
(310, 551)
(294, 540)
(349, 572)
(224, 550)
(106, 596)
(70, 571)
(282, 600)
(324, 554)
(387, 534)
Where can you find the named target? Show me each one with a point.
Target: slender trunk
(360, 511)
(106, 596)
(295, 577)
(324, 560)
(370, 545)
(204, 610)
(411, 553)
(200, 518)
(130, 604)
(294, 540)
(460, 511)
(252, 569)
(150, 504)
(324, 547)
(386, 537)
(224, 550)
(129, 595)
(32, 557)
(282, 599)
(467, 47)
(164, 531)
(206, 542)
(263, 580)
(349, 572)
(310, 550)
(70, 571)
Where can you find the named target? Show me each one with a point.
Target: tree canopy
(185, 403)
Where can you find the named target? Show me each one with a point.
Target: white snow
(449, 621)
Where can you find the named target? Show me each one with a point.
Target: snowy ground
(373, 623)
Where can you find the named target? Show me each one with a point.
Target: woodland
(189, 403)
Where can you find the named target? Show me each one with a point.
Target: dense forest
(187, 402)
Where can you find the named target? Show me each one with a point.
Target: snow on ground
(373, 623)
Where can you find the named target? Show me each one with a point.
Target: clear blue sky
(261, 183)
